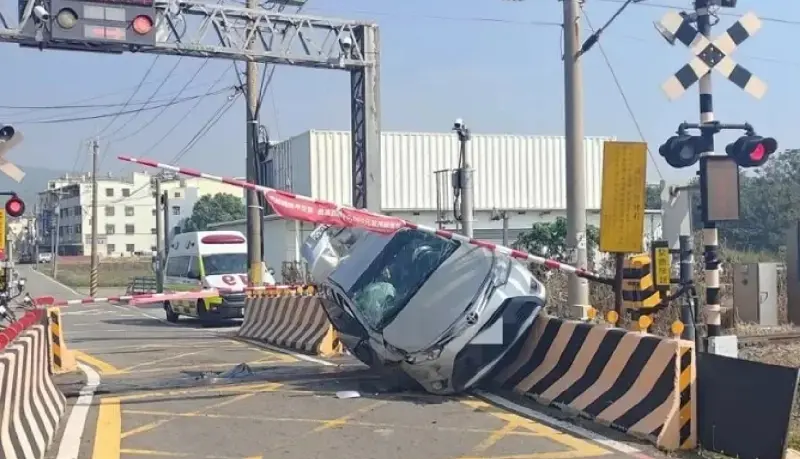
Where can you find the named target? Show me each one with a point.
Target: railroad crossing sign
(711, 54)
(9, 138)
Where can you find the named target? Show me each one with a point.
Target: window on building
(177, 194)
(154, 212)
(129, 211)
(126, 192)
(109, 211)
(110, 192)
(110, 249)
(78, 229)
(77, 211)
(152, 231)
(129, 229)
(176, 210)
(176, 230)
(130, 248)
(110, 229)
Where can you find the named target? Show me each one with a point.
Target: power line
(122, 112)
(206, 127)
(624, 97)
(133, 94)
(721, 13)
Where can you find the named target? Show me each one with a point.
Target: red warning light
(142, 24)
(15, 207)
(757, 153)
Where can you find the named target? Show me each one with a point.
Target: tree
(652, 197)
(221, 207)
(549, 239)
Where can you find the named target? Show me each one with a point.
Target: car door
(364, 344)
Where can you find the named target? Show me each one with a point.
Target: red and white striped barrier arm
(147, 298)
(297, 207)
(263, 288)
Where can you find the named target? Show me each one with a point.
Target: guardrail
(140, 285)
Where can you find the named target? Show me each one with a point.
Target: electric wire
(206, 127)
(625, 100)
(121, 112)
(133, 94)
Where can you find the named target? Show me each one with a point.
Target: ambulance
(203, 260)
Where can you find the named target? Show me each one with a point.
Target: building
(126, 211)
(522, 177)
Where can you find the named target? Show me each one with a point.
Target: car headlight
(501, 270)
(430, 354)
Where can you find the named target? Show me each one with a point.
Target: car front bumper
(231, 307)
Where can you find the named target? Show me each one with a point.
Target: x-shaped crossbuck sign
(5, 166)
(712, 55)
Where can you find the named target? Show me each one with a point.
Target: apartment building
(126, 212)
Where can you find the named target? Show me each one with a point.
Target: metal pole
(578, 293)
(618, 279)
(159, 236)
(465, 182)
(55, 235)
(165, 195)
(253, 209)
(505, 228)
(685, 276)
(93, 270)
(710, 236)
(36, 235)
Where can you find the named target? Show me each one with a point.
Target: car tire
(172, 316)
(202, 316)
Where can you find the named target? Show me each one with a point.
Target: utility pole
(54, 235)
(36, 235)
(159, 235)
(578, 292)
(165, 202)
(93, 270)
(465, 184)
(254, 245)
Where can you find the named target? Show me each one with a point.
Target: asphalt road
(175, 391)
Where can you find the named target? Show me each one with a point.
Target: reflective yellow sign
(663, 263)
(2, 234)
(623, 202)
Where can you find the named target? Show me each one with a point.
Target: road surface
(164, 392)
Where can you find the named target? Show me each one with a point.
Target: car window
(399, 270)
(225, 263)
(178, 266)
(194, 268)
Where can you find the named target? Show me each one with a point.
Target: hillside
(35, 180)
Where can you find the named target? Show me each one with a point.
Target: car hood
(441, 301)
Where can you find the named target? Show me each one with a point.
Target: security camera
(346, 43)
(458, 124)
(41, 13)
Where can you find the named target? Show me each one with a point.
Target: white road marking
(70, 445)
(296, 355)
(563, 425)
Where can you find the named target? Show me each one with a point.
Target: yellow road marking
(107, 438)
(103, 367)
(149, 452)
(144, 347)
(496, 436)
(242, 388)
(153, 425)
(344, 419)
(552, 455)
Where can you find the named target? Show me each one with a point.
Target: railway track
(773, 338)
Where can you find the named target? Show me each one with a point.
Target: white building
(524, 176)
(126, 211)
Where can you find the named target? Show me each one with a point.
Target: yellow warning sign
(663, 263)
(2, 235)
(623, 200)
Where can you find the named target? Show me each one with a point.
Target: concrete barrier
(31, 406)
(294, 322)
(641, 384)
(61, 359)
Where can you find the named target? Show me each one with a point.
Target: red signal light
(15, 207)
(757, 153)
(142, 24)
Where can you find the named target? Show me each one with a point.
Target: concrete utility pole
(578, 293)
(159, 235)
(254, 260)
(54, 235)
(165, 196)
(93, 270)
(465, 184)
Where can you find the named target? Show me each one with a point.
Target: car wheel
(202, 316)
(172, 316)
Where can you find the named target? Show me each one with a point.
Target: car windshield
(225, 263)
(399, 270)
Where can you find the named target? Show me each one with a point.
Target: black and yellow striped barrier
(638, 383)
(638, 287)
(61, 359)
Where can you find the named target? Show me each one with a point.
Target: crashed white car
(433, 309)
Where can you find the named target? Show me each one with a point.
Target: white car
(45, 257)
(438, 311)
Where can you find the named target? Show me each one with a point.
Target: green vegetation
(110, 274)
(219, 208)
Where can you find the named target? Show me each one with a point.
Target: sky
(494, 63)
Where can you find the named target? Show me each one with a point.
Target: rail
(140, 285)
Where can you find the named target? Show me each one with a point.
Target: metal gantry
(226, 31)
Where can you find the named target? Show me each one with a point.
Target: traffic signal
(7, 133)
(15, 207)
(123, 22)
(682, 150)
(752, 150)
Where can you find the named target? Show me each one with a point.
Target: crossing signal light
(752, 150)
(682, 150)
(6, 133)
(15, 207)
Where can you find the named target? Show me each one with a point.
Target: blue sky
(490, 62)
